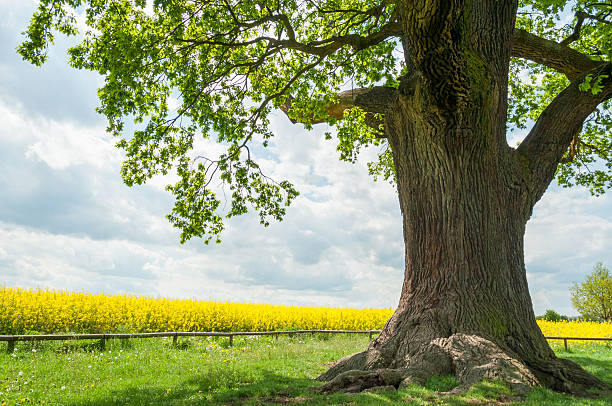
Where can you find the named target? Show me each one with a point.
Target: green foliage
(593, 297)
(551, 315)
(592, 85)
(350, 142)
(184, 70)
(180, 71)
(533, 86)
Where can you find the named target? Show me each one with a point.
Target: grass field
(256, 370)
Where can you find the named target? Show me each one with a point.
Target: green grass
(255, 371)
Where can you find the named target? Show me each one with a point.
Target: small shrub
(552, 315)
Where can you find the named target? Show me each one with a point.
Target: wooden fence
(565, 339)
(11, 339)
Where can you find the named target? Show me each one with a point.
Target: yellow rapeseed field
(50, 311)
(25, 311)
(575, 329)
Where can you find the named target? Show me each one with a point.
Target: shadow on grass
(274, 389)
(223, 387)
(268, 388)
(601, 368)
(232, 386)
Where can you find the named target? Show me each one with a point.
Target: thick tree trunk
(465, 198)
(465, 307)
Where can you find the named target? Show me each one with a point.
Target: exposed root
(349, 363)
(566, 376)
(468, 357)
(475, 358)
(357, 381)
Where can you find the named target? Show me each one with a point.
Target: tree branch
(371, 100)
(318, 48)
(552, 54)
(580, 16)
(552, 134)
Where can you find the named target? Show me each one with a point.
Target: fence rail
(11, 339)
(565, 339)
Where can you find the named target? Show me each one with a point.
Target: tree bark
(465, 307)
(465, 198)
(552, 54)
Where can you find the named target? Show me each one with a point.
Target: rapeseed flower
(57, 311)
(51, 311)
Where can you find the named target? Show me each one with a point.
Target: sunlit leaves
(354, 133)
(594, 86)
(51, 15)
(591, 167)
(383, 167)
(181, 70)
(532, 87)
(177, 71)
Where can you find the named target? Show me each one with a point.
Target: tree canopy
(182, 69)
(593, 297)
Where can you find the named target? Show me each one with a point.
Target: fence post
(10, 346)
(174, 338)
(231, 341)
(103, 344)
(276, 336)
(370, 335)
(565, 343)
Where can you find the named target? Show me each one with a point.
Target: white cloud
(61, 145)
(568, 226)
(568, 233)
(516, 137)
(96, 234)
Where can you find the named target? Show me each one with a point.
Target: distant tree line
(592, 298)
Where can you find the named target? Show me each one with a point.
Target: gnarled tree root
(357, 381)
(468, 357)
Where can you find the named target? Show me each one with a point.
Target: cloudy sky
(68, 222)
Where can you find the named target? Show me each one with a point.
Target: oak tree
(438, 84)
